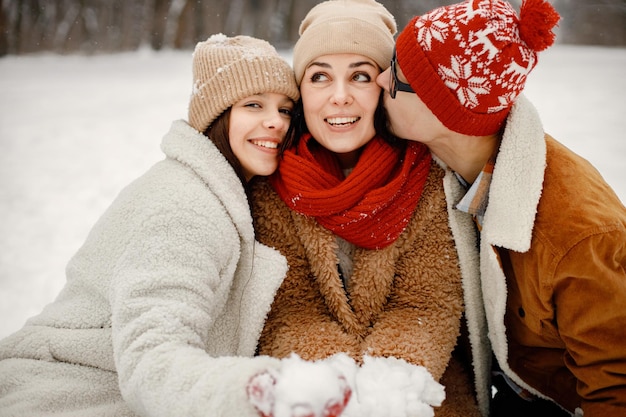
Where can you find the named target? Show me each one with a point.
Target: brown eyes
(362, 77)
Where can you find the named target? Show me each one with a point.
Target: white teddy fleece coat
(163, 305)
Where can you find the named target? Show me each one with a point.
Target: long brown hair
(218, 133)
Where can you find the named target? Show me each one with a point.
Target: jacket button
(521, 312)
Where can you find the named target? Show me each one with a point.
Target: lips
(342, 121)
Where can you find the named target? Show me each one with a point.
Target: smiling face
(339, 97)
(257, 127)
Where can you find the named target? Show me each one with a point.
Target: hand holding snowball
(337, 386)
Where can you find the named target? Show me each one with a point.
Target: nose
(275, 120)
(341, 94)
(383, 80)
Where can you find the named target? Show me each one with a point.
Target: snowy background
(75, 130)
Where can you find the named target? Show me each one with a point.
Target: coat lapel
(321, 250)
(518, 175)
(371, 282)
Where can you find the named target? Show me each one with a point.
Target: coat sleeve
(163, 300)
(590, 295)
(421, 320)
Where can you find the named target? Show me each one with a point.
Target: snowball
(305, 388)
(381, 387)
(391, 387)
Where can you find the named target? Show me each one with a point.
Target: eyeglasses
(395, 84)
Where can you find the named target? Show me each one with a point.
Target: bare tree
(4, 29)
(596, 22)
(95, 26)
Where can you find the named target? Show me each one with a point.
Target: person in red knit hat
(551, 252)
(363, 223)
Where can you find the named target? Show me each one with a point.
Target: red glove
(335, 407)
(260, 392)
(299, 389)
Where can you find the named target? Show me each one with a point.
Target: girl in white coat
(166, 299)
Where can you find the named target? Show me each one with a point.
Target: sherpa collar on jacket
(518, 175)
(509, 222)
(192, 151)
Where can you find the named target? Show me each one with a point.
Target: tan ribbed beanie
(362, 27)
(228, 69)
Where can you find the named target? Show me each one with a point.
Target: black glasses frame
(395, 84)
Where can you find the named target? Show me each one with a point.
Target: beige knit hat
(362, 27)
(228, 69)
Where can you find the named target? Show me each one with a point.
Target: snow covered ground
(74, 130)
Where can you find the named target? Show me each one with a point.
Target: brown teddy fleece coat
(405, 300)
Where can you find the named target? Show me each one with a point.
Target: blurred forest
(104, 26)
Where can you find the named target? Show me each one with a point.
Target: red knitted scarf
(372, 206)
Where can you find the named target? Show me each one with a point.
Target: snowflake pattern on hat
(478, 52)
(469, 61)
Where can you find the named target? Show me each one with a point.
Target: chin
(267, 172)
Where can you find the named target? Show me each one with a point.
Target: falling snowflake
(459, 78)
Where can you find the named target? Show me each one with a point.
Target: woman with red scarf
(361, 218)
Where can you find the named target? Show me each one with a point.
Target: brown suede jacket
(405, 300)
(553, 271)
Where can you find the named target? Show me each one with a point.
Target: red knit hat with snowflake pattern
(469, 61)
